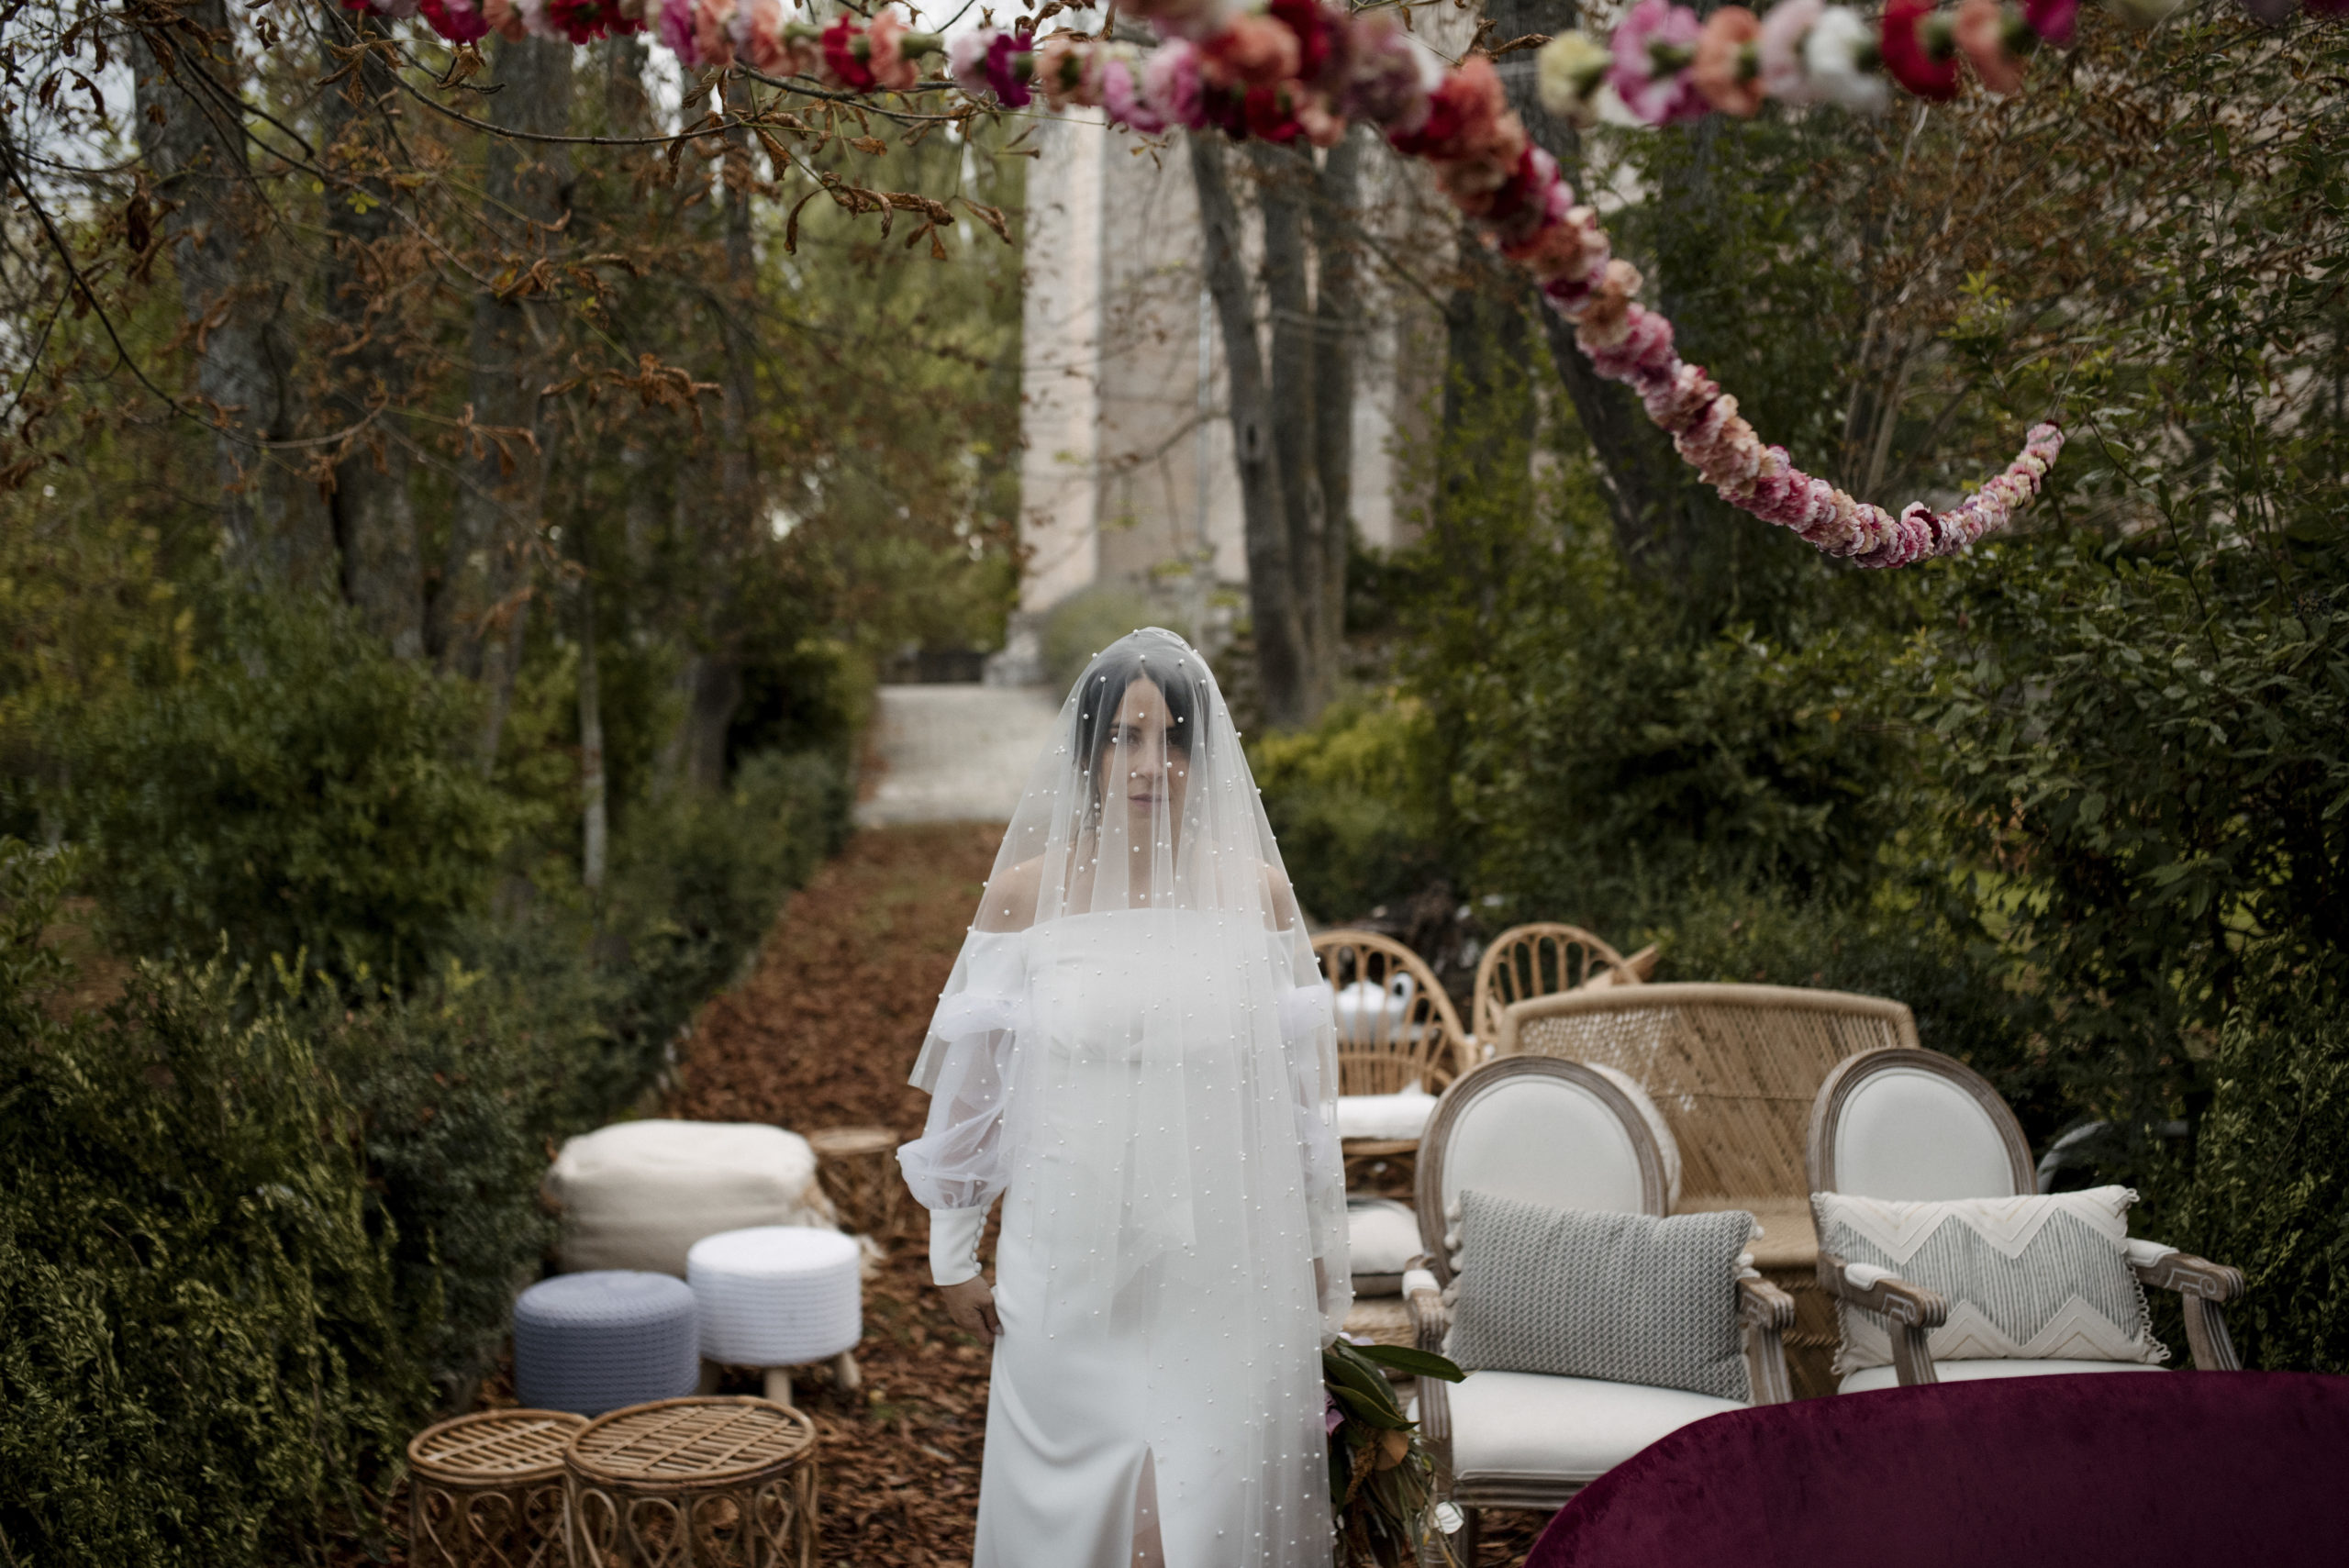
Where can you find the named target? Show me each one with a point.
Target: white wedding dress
(1145, 1081)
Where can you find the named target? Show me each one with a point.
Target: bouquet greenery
(1382, 1485)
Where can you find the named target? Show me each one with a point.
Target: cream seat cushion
(638, 1195)
(1400, 1114)
(1508, 1425)
(1872, 1377)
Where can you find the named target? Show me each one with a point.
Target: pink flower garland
(1301, 69)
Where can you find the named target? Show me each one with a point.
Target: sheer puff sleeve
(959, 1162)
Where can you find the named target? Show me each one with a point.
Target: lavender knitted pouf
(593, 1342)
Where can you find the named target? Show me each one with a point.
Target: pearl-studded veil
(1135, 1049)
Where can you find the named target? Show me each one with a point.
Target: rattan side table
(714, 1483)
(858, 1167)
(486, 1490)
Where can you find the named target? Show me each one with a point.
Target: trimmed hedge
(198, 1358)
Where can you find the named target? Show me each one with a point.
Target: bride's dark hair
(1174, 669)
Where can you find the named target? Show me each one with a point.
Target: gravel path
(954, 753)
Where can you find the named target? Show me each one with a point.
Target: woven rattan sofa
(1734, 1070)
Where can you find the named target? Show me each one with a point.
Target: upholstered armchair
(1565, 1136)
(1915, 1126)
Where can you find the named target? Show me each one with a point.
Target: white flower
(1449, 1519)
(1843, 56)
(1569, 71)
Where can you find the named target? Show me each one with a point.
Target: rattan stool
(692, 1484)
(858, 1166)
(486, 1490)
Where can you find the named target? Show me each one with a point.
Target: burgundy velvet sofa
(2068, 1472)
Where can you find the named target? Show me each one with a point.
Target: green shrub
(1085, 623)
(198, 1358)
(1957, 980)
(297, 788)
(455, 1089)
(2270, 1190)
(1351, 801)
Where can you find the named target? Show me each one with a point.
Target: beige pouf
(638, 1195)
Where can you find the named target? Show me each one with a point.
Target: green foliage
(2159, 750)
(2270, 1192)
(1085, 623)
(1907, 942)
(296, 787)
(196, 1353)
(1353, 803)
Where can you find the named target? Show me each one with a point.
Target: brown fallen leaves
(822, 1034)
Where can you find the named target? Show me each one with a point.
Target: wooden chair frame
(1912, 1312)
(1764, 1311)
(1428, 1047)
(1510, 971)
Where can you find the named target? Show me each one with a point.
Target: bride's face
(1147, 762)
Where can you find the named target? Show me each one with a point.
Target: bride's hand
(972, 1306)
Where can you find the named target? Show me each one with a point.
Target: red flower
(456, 20)
(1270, 112)
(2051, 19)
(1312, 30)
(840, 55)
(1921, 49)
(582, 21)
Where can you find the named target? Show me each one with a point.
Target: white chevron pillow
(2038, 1278)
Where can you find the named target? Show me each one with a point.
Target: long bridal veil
(1135, 1045)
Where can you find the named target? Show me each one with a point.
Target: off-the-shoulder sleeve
(959, 1161)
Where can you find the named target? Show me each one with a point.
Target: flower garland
(1302, 70)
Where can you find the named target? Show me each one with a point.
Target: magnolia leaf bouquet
(1381, 1483)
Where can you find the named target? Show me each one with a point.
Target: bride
(1135, 1052)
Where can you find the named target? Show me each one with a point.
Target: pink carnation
(1252, 51)
(673, 23)
(1779, 45)
(1653, 48)
(885, 56)
(1123, 100)
(1171, 85)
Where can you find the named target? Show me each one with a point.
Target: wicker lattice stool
(859, 1168)
(692, 1484)
(486, 1490)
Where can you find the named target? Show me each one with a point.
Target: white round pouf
(777, 1295)
(593, 1342)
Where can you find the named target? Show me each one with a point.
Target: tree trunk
(595, 823)
(1647, 502)
(372, 515)
(1337, 304)
(475, 621)
(191, 142)
(1272, 607)
(1282, 185)
(711, 682)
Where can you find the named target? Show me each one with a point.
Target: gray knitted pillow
(1627, 1298)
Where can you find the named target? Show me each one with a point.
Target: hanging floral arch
(1301, 69)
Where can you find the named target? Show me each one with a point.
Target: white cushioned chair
(1565, 1136)
(1913, 1126)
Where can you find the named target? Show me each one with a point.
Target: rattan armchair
(1419, 1042)
(1916, 1126)
(1538, 959)
(1561, 1134)
(1734, 1070)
